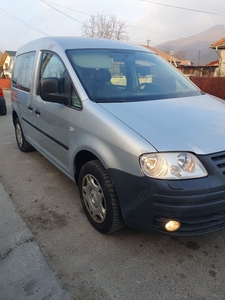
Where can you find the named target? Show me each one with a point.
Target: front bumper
(198, 204)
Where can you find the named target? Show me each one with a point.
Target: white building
(6, 64)
(219, 46)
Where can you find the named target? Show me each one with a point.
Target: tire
(3, 111)
(99, 198)
(22, 143)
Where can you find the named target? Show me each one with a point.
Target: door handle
(30, 108)
(37, 112)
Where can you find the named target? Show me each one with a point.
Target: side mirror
(49, 91)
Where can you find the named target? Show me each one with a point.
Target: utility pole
(148, 41)
(199, 55)
(172, 60)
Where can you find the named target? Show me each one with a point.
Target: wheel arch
(80, 159)
(14, 116)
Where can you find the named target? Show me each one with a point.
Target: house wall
(198, 71)
(222, 67)
(7, 66)
(220, 70)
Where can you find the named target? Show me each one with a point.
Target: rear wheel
(99, 199)
(3, 112)
(22, 143)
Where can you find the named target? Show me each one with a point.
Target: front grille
(219, 161)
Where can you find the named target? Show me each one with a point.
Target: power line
(47, 3)
(156, 46)
(7, 14)
(80, 12)
(61, 12)
(143, 29)
(167, 34)
(193, 51)
(185, 8)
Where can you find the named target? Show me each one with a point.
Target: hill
(196, 47)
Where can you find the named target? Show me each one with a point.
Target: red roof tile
(220, 44)
(161, 53)
(213, 63)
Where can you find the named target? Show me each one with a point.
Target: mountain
(196, 47)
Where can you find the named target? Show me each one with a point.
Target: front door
(52, 118)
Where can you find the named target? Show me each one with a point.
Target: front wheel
(98, 198)
(22, 143)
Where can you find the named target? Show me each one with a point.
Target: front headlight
(174, 165)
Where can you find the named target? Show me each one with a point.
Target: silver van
(145, 146)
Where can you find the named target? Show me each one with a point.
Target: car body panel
(194, 124)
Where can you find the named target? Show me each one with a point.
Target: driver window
(52, 66)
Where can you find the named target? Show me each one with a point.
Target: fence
(211, 85)
(5, 83)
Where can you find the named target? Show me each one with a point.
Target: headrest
(102, 75)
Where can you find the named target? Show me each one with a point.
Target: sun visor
(92, 60)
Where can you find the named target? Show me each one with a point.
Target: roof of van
(70, 42)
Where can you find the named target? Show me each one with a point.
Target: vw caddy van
(145, 146)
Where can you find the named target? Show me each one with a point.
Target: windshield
(109, 75)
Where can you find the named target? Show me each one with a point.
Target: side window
(17, 71)
(52, 66)
(75, 102)
(23, 71)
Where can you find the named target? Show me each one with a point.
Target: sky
(25, 20)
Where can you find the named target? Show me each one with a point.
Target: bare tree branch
(103, 26)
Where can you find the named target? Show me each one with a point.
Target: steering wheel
(142, 85)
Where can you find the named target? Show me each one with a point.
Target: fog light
(172, 225)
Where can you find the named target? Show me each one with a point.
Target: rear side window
(23, 71)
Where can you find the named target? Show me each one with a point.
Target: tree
(107, 27)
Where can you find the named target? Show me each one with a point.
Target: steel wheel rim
(19, 134)
(94, 198)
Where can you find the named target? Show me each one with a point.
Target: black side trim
(49, 136)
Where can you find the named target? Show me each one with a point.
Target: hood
(194, 124)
